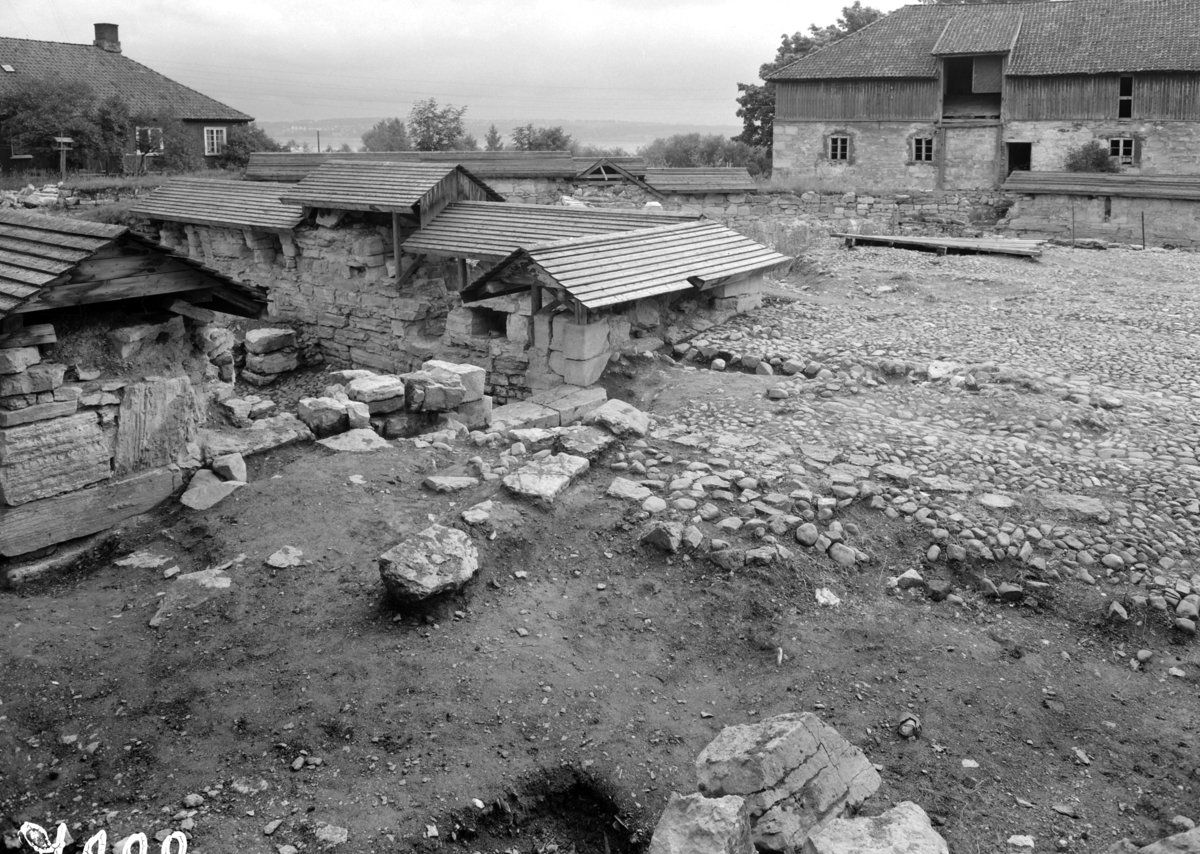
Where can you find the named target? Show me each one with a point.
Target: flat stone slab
(449, 483)
(375, 388)
(356, 441)
(269, 340)
(433, 561)
(544, 480)
(620, 418)
(266, 434)
(584, 441)
(992, 501)
(287, 556)
(819, 453)
(905, 827)
(572, 402)
(896, 472)
(513, 416)
(627, 490)
(191, 590)
(206, 490)
(534, 438)
(1076, 506)
(941, 483)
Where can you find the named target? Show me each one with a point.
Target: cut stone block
(376, 388)
(424, 392)
(358, 415)
(436, 560)
(269, 340)
(533, 438)
(54, 520)
(621, 418)
(230, 467)
(17, 359)
(544, 480)
(206, 490)
(905, 827)
(356, 441)
(583, 441)
(265, 435)
(45, 376)
(449, 483)
(582, 342)
(694, 824)
(471, 378)
(795, 772)
(323, 415)
(39, 412)
(476, 414)
(156, 421)
(47, 458)
(274, 362)
(571, 402)
(523, 414)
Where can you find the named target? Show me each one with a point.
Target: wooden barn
(957, 97)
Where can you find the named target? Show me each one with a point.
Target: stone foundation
(1168, 222)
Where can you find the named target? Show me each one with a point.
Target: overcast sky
(635, 60)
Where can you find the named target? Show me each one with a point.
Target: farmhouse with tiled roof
(957, 97)
(103, 67)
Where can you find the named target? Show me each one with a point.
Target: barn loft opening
(972, 87)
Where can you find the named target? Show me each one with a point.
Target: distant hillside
(606, 134)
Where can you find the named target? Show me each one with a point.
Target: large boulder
(795, 772)
(621, 418)
(694, 824)
(436, 560)
(904, 829)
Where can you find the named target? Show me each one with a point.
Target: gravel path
(1044, 411)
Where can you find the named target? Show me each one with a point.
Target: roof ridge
(849, 36)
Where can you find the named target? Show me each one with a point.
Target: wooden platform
(944, 245)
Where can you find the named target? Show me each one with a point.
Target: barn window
(1125, 99)
(839, 147)
(214, 141)
(923, 149)
(1122, 150)
(149, 141)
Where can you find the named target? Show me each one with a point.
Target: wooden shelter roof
(291, 167)
(492, 231)
(599, 167)
(382, 185)
(611, 269)
(734, 179)
(50, 261)
(1104, 184)
(232, 204)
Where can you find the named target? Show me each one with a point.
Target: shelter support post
(462, 273)
(535, 306)
(396, 242)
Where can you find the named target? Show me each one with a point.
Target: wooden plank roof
(292, 166)
(1104, 184)
(493, 230)
(610, 269)
(232, 204)
(733, 179)
(375, 185)
(36, 251)
(596, 166)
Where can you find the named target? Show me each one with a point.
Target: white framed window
(214, 141)
(923, 149)
(839, 147)
(149, 141)
(1122, 149)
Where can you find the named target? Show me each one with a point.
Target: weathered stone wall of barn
(1159, 148)
(1169, 222)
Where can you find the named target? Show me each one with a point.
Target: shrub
(1090, 157)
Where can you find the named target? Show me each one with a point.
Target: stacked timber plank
(944, 245)
(226, 204)
(1104, 184)
(491, 230)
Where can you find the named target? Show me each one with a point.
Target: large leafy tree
(530, 138)
(244, 140)
(756, 104)
(686, 150)
(387, 135)
(434, 128)
(39, 109)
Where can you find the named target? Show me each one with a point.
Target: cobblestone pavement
(1044, 411)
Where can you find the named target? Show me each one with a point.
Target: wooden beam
(107, 269)
(118, 289)
(462, 273)
(39, 333)
(203, 315)
(411, 271)
(396, 242)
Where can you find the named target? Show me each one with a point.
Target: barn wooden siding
(864, 100)
(1167, 97)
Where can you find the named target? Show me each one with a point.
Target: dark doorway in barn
(1020, 156)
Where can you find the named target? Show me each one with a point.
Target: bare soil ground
(572, 732)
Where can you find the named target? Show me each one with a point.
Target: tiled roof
(234, 204)
(144, 89)
(618, 268)
(37, 251)
(1063, 37)
(492, 230)
(988, 29)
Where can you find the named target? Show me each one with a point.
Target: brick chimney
(106, 38)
